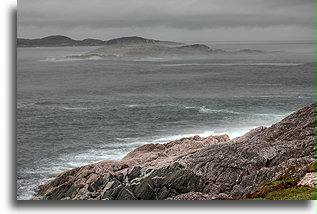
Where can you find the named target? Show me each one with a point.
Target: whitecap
(70, 59)
(261, 84)
(273, 115)
(234, 64)
(24, 105)
(203, 133)
(276, 64)
(55, 105)
(132, 105)
(75, 108)
(264, 96)
(304, 97)
(149, 59)
(205, 110)
(149, 105)
(180, 136)
(201, 109)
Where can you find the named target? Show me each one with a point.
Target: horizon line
(288, 40)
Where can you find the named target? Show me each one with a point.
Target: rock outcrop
(196, 168)
(150, 168)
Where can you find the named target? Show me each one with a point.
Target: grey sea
(72, 112)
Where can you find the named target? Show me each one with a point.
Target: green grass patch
(270, 186)
(274, 186)
(305, 196)
(295, 193)
(284, 188)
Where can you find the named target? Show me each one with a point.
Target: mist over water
(74, 112)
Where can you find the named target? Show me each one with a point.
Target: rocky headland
(276, 162)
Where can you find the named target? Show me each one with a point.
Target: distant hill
(63, 41)
(57, 41)
(131, 40)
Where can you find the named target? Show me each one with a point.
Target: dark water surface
(75, 112)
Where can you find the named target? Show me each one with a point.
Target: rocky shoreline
(276, 162)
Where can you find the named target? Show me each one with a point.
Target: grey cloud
(181, 21)
(126, 15)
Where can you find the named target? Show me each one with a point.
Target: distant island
(146, 50)
(132, 47)
(64, 41)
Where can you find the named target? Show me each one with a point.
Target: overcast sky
(178, 20)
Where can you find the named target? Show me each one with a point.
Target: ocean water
(76, 112)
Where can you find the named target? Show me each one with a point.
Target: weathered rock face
(138, 184)
(195, 168)
(237, 168)
(139, 169)
(153, 184)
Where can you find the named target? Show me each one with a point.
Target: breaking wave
(69, 59)
(235, 64)
(205, 110)
(200, 109)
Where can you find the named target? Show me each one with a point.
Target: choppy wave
(121, 146)
(200, 109)
(273, 115)
(208, 110)
(55, 105)
(76, 108)
(24, 105)
(261, 84)
(265, 96)
(27, 187)
(116, 151)
(134, 143)
(149, 105)
(69, 59)
(51, 167)
(205, 110)
(150, 59)
(236, 64)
